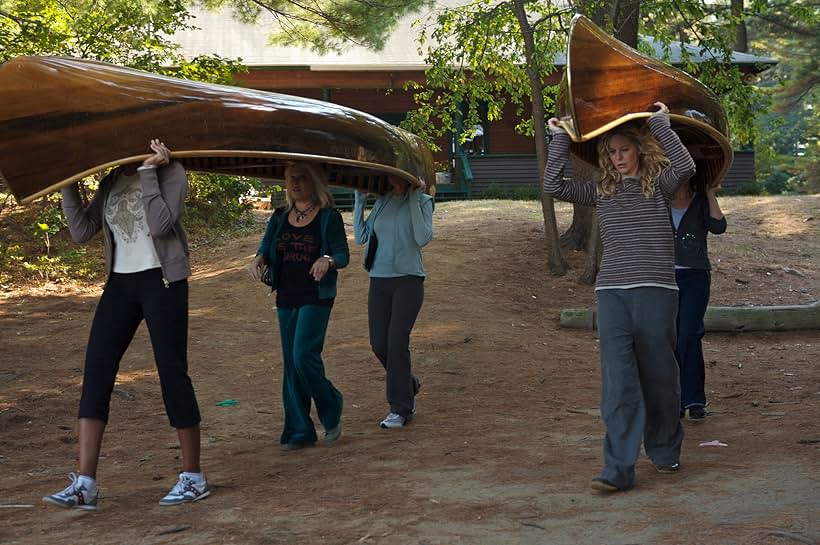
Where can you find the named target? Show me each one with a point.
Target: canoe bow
(607, 83)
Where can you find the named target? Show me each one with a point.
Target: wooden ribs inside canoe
(62, 119)
(607, 83)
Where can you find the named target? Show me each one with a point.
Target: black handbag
(267, 277)
(371, 251)
(267, 271)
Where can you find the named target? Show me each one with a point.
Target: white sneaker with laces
(393, 420)
(187, 490)
(74, 496)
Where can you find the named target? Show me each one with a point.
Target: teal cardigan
(334, 244)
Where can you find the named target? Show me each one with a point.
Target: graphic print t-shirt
(299, 248)
(124, 212)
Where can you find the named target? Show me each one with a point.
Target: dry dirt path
(507, 435)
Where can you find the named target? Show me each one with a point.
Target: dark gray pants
(640, 388)
(392, 307)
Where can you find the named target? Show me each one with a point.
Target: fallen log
(746, 318)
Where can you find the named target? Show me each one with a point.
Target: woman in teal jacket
(399, 225)
(303, 248)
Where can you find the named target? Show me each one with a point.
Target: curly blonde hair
(652, 160)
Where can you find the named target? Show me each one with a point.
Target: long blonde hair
(317, 175)
(651, 159)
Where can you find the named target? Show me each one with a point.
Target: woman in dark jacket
(304, 246)
(694, 215)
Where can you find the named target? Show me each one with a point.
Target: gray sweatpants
(640, 385)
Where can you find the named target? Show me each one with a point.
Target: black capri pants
(126, 300)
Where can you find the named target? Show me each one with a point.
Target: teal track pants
(303, 337)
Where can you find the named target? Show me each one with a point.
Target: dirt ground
(507, 435)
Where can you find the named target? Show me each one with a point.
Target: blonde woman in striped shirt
(636, 289)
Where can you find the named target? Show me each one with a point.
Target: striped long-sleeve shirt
(636, 233)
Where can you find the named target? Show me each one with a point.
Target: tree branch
(21, 21)
(791, 27)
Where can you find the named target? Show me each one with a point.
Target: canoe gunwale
(714, 134)
(231, 153)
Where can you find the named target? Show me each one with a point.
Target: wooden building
(373, 82)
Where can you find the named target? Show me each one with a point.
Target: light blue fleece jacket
(403, 225)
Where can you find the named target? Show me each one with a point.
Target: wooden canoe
(607, 83)
(62, 119)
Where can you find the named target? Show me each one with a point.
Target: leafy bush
(520, 193)
(776, 182)
(750, 188)
(494, 191)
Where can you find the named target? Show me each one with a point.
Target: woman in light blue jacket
(399, 225)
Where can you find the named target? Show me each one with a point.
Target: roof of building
(220, 33)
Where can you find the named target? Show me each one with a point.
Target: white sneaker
(393, 420)
(186, 490)
(75, 496)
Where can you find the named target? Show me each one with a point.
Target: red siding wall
(375, 99)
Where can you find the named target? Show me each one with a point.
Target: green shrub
(517, 193)
(494, 191)
(526, 193)
(750, 188)
(776, 182)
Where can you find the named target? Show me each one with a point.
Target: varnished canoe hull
(62, 119)
(607, 83)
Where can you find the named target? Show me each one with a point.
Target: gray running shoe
(75, 496)
(186, 490)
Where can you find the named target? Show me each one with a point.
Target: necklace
(302, 214)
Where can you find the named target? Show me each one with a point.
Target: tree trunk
(594, 253)
(741, 38)
(577, 236)
(555, 259)
(626, 22)
(733, 319)
(579, 232)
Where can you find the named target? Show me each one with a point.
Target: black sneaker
(697, 413)
(668, 468)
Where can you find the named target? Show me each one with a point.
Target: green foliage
(216, 205)
(776, 182)
(126, 32)
(476, 54)
(11, 258)
(324, 25)
(750, 188)
(520, 193)
(49, 222)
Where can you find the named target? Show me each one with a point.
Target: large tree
(496, 54)
(500, 51)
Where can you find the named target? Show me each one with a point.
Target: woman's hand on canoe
(161, 157)
(663, 109)
(554, 126)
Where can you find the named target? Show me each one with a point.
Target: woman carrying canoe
(399, 225)
(146, 253)
(304, 247)
(636, 289)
